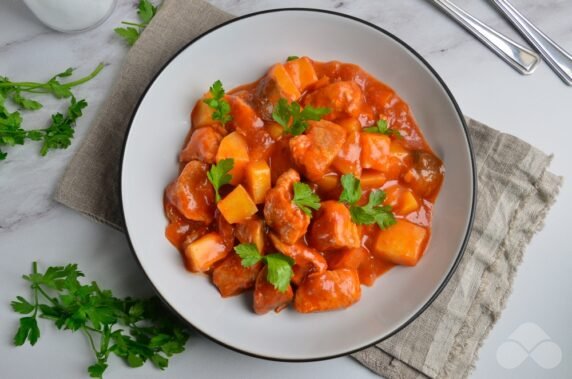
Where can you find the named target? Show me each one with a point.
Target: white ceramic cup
(71, 15)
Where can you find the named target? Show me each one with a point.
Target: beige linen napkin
(515, 193)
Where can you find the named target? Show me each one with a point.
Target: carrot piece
(257, 181)
(402, 243)
(234, 146)
(328, 183)
(201, 254)
(237, 206)
(372, 180)
(350, 124)
(302, 72)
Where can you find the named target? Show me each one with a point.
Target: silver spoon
(558, 59)
(519, 57)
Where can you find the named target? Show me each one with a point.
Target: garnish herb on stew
(304, 191)
(293, 119)
(134, 330)
(218, 103)
(60, 132)
(279, 266)
(219, 175)
(373, 211)
(291, 58)
(305, 198)
(381, 127)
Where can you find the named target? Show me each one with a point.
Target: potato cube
(202, 114)
(237, 206)
(201, 254)
(302, 72)
(375, 151)
(234, 146)
(257, 181)
(284, 83)
(408, 203)
(402, 243)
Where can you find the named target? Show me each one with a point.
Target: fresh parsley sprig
(56, 136)
(134, 330)
(279, 266)
(218, 103)
(381, 127)
(292, 58)
(371, 213)
(294, 119)
(219, 175)
(146, 11)
(305, 198)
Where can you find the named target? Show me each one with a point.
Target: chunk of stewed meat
(267, 298)
(333, 228)
(306, 260)
(328, 291)
(315, 151)
(202, 145)
(192, 194)
(287, 220)
(232, 278)
(344, 99)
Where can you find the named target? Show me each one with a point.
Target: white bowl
(240, 51)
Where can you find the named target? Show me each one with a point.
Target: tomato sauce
(368, 132)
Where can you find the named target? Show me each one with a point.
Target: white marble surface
(536, 108)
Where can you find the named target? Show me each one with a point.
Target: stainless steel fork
(558, 59)
(519, 57)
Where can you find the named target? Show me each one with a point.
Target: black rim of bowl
(469, 144)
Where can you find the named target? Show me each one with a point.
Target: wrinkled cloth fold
(515, 191)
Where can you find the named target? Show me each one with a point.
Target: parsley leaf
(146, 11)
(248, 253)
(218, 103)
(382, 128)
(219, 175)
(351, 192)
(134, 330)
(59, 133)
(279, 266)
(24, 102)
(279, 270)
(293, 119)
(292, 58)
(373, 211)
(130, 34)
(305, 198)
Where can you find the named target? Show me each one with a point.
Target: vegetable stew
(302, 186)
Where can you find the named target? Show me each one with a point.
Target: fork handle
(558, 59)
(519, 57)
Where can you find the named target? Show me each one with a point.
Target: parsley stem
(45, 294)
(35, 288)
(134, 24)
(91, 342)
(34, 85)
(86, 78)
